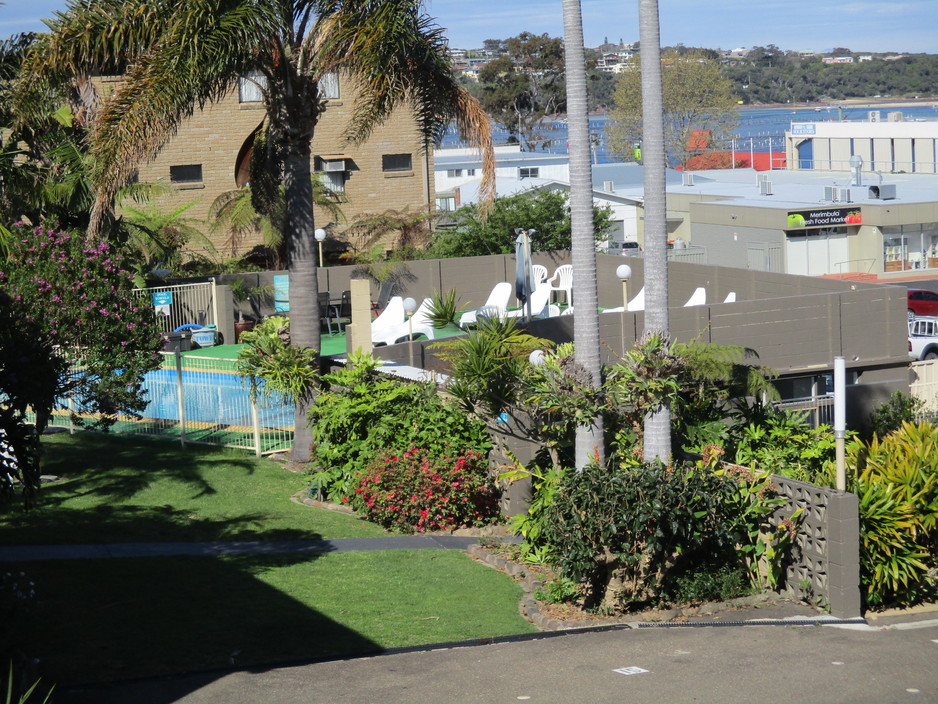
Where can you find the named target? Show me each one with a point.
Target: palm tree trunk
(657, 440)
(589, 439)
(304, 282)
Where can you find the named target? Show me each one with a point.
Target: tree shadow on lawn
(120, 524)
(120, 467)
(99, 621)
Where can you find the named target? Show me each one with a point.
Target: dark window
(396, 162)
(188, 173)
(528, 172)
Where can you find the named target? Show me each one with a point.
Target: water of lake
(765, 127)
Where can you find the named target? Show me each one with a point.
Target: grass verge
(133, 489)
(100, 620)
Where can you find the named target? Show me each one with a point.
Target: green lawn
(99, 620)
(131, 489)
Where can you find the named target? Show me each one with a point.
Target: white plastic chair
(730, 297)
(697, 298)
(494, 306)
(539, 272)
(562, 280)
(419, 324)
(539, 300)
(385, 327)
(638, 303)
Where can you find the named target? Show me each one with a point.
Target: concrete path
(30, 553)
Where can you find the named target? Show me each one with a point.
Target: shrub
(270, 358)
(898, 409)
(623, 531)
(361, 414)
(897, 483)
(415, 491)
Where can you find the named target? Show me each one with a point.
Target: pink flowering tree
(80, 296)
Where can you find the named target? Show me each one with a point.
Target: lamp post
(624, 272)
(320, 235)
(840, 420)
(410, 305)
(536, 357)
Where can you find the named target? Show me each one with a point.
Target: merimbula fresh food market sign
(824, 218)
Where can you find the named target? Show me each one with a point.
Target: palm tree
(177, 55)
(235, 212)
(589, 439)
(657, 436)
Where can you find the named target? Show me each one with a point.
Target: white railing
(817, 410)
(185, 304)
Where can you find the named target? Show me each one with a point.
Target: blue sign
(802, 128)
(282, 293)
(162, 301)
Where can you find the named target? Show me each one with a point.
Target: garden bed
(549, 616)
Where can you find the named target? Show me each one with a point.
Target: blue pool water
(211, 397)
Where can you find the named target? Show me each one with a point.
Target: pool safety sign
(162, 301)
(824, 218)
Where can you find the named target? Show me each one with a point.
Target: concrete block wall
(825, 560)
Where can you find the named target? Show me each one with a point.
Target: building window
(528, 172)
(453, 173)
(907, 247)
(335, 181)
(251, 87)
(396, 162)
(447, 204)
(187, 173)
(470, 172)
(329, 86)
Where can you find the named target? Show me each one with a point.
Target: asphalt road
(779, 663)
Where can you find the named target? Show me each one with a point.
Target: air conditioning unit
(831, 193)
(333, 165)
(765, 188)
(687, 179)
(895, 116)
(884, 191)
(874, 116)
(609, 186)
(761, 178)
(844, 195)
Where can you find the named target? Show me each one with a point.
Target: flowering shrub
(414, 491)
(80, 295)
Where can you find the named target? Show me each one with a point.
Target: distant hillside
(776, 77)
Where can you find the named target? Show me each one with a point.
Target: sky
(815, 25)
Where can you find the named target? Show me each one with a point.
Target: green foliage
(362, 413)
(486, 365)
(622, 532)
(900, 408)
(80, 296)
(415, 491)
(696, 98)
(547, 212)
(272, 365)
(707, 582)
(31, 374)
(13, 697)
(781, 442)
(524, 85)
(444, 309)
(769, 75)
(897, 482)
(558, 591)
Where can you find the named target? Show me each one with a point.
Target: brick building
(211, 152)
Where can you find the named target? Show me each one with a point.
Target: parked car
(923, 338)
(922, 302)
